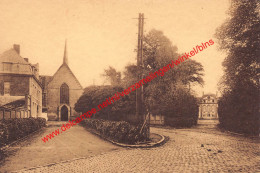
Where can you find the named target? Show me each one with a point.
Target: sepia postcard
(129, 86)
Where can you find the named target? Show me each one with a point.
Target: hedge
(118, 131)
(239, 110)
(180, 121)
(13, 129)
(96, 95)
(246, 127)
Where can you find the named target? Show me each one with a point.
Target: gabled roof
(66, 66)
(12, 56)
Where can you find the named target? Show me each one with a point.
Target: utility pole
(140, 113)
(139, 92)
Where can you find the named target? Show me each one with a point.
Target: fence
(14, 113)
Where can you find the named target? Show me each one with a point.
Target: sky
(102, 33)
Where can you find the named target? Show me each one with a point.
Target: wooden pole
(139, 92)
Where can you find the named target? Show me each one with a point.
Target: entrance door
(64, 113)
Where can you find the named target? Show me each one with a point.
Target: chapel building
(60, 92)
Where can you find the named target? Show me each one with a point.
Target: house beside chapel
(60, 92)
(20, 87)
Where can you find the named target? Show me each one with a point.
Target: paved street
(189, 150)
(76, 142)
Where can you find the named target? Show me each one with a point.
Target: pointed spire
(65, 57)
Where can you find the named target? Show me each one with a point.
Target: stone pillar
(200, 111)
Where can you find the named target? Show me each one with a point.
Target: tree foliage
(130, 75)
(159, 51)
(96, 95)
(113, 76)
(169, 95)
(239, 36)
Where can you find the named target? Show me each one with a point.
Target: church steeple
(65, 57)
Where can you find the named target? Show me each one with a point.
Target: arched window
(64, 93)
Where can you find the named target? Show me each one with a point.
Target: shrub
(96, 95)
(119, 131)
(13, 129)
(179, 106)
(239, 110)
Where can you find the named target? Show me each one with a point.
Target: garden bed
(117, 131)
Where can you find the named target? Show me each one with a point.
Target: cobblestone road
(74, 143)
(188, 150)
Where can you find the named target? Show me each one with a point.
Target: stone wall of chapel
(63, 75)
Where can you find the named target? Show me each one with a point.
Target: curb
(148, 145)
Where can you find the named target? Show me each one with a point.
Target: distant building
(156, 119)
(208, 107)
(60, 92)
(20, 88)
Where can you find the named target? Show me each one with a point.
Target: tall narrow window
(64, 93)
(6, 88)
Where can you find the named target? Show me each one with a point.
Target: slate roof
(12, 56)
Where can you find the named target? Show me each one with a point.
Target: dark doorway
(64, 113)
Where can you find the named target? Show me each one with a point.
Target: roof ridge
(12, 50)
(64, 64)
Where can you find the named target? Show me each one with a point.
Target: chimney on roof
(26, 59)
(17, 48)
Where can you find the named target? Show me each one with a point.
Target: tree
(130, 75)
(169, 95)
(159, 51)
(113, 76)
(239, 36)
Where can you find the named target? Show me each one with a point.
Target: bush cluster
(13, 129)
(180, 122)
(239, 111)
(97, 95)
(119, 131)
(179, 107)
